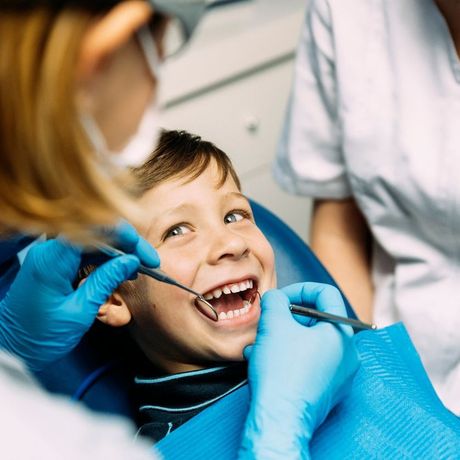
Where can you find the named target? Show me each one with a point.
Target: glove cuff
(275, 433)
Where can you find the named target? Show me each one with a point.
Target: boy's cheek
(274, 281)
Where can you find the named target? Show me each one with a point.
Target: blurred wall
(231, 86)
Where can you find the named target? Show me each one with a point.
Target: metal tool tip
(210, 311)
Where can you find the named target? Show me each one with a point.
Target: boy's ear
(114, 312)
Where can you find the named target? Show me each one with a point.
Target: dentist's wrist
(276, 433)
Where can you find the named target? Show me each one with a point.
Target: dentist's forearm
(342, 241)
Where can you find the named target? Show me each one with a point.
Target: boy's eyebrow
(237, 195)
(191, 206)
(176, 209)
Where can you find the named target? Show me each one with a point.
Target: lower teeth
(231, 314)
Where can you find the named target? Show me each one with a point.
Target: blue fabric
(94, 373)
(391, 412)
(295, 262)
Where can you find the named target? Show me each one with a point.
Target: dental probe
(159, 275)
(328, 317)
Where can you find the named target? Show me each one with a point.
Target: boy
(204, 231)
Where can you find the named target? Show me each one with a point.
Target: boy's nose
(227, 244)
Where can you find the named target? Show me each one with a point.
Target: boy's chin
(234, 354)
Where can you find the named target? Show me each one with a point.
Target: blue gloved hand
(297, 372)
(42, 317)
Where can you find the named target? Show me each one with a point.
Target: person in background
(78, 81)
(372, 135)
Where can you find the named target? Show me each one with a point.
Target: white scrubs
(37, 425)
(375, 114)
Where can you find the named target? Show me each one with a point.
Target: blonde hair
(50, 178)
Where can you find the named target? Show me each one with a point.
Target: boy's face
(207, 239)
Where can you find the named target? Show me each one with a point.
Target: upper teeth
(228, 289)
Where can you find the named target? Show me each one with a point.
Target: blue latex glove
(43, 317)
(297, 372)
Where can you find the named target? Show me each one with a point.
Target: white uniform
(375, 114)
(36, 425)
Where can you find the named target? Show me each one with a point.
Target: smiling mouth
(233, 300)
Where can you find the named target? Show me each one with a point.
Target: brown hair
(180, 154)
(50, 178)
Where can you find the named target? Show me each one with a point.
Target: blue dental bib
(391, 412)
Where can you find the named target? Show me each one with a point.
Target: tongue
(227, 302)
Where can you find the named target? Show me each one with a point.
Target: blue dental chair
(295, 262)
(92, 374)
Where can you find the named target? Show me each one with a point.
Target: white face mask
(141, 145)
(143, 142)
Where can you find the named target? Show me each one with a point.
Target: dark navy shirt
(9, 262)
(165, 402)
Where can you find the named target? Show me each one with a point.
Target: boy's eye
(176, 231)
(236, 216)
